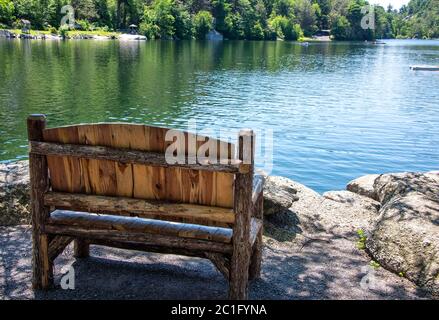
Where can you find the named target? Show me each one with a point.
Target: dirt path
(321, 267)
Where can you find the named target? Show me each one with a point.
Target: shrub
(63, 31)
(83, 25)
(257, 32)
(341, 28)
(202, 24)
(362, 238)
(6, 11)
(285, 28)
(183, 23)
(52, 30)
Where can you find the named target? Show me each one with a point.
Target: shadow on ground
(300, 269)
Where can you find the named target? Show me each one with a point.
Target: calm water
(338, 111)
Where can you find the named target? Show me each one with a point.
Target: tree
(220, 9)
(305, 13)
(283, 8)
(285, 28)
(341, 28)
(202, 24)
(183, 22)
(6, 12)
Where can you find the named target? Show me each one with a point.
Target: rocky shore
(388, 221)
(78, 36)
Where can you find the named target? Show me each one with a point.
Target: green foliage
(235, 19)
(202, 24)
(163, 18)
(361, 243)
(374, 264)
(52, 30)
(63, 31)
(306, 14)
(341, 28)
(183, 23)
(6, 12)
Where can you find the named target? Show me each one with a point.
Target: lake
(337, 110)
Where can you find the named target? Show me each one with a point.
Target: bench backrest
(113, 178)
(98, 175)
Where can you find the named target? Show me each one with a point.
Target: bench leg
(81, 248)
(238, 281)
(41, 264)
(256, 258)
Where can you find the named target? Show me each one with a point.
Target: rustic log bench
(110, 184)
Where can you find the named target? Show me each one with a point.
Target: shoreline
(100, 36)
(71, 35)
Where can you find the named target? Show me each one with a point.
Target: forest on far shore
(235, 19)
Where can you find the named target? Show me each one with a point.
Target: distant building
(323, 33)
(25, 25)
(133, 29)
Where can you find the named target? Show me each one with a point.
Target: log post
(81, 248)
(42, 266)
(238, 284)
(256, 257)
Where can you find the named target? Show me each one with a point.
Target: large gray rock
(405, 238)
(339, 213)
(14, 193)
(279, 194)
(364, 186)
(387, 186)
(343, 213)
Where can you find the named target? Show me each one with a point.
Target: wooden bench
(110, 184)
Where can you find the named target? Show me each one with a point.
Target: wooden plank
(139, 225)
(148, 248)
(178, 212)
(183, 183)
(145, 238)
(132, 136)
(189, 185)
(207, 191)
(224, 189)
(129, 156)
(64, 170)
(57, 246)
(47, 263)
(221, 262)
(81, 248)
(124, 179)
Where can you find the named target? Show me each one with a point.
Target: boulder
(388, 186)
(279, 194)
(364, 186)
(14, 193)
(339, 213)
(343, 213)
(405, 238)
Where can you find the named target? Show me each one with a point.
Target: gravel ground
(295, 267)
